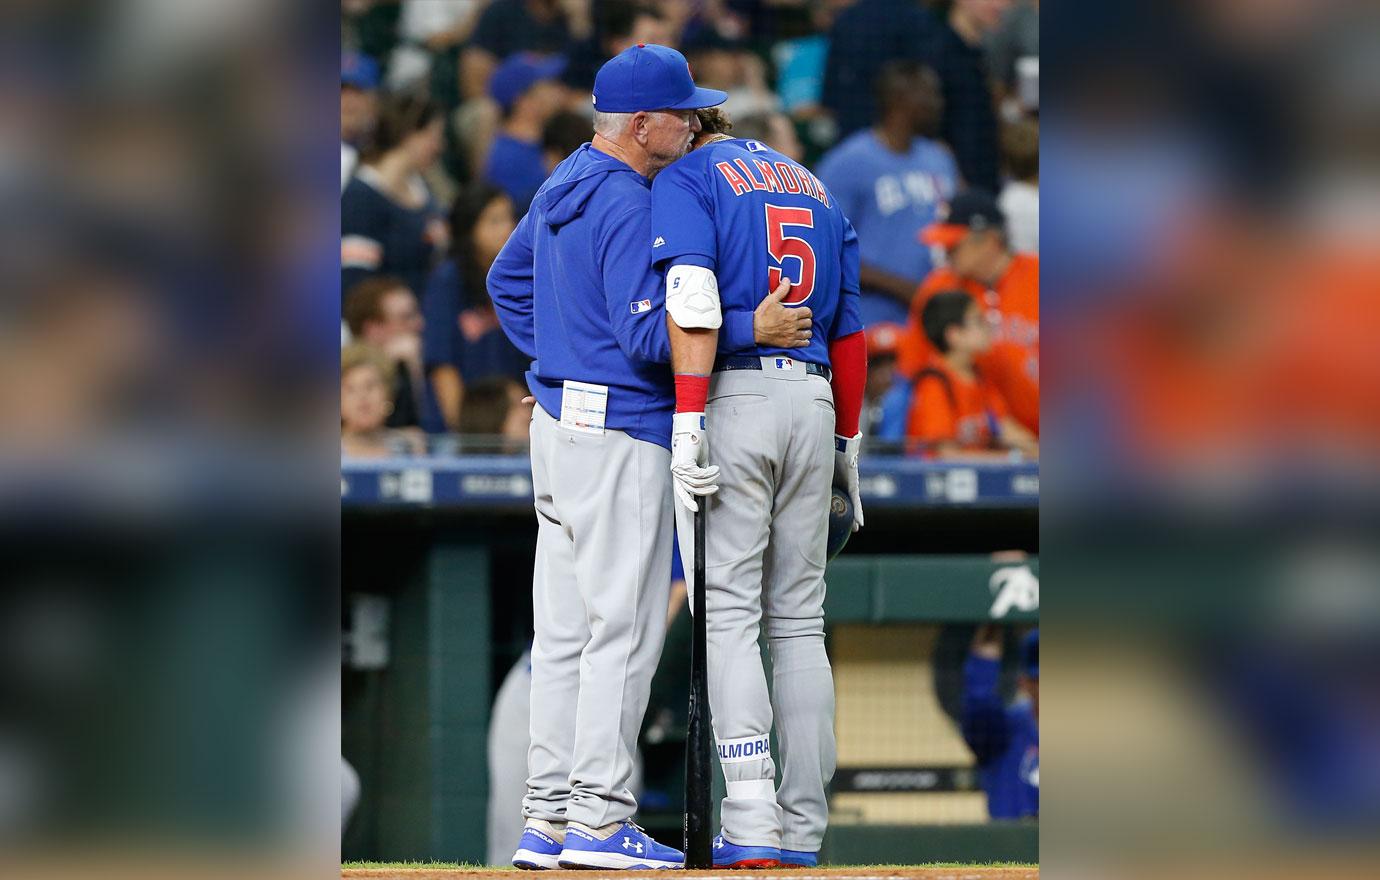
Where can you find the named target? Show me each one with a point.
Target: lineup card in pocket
(584, 406)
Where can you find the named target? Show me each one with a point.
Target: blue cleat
(728, 854)
(794, 858)
(537, 850)
(628, 848)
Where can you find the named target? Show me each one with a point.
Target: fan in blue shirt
(526, 88)
(890, 180)
(1004, 739)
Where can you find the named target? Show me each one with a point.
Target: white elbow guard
(692, 298)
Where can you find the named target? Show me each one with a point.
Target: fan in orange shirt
(954, 411)
(1008, 287)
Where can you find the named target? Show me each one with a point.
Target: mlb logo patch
(755, 146)
(785, 364)
(642, 305)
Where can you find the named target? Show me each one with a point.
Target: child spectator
(528, 93)
(389, 222)
(463, 343)
(1005, 739)
(886, 397)
(954, 413)
(1020, 198)
(365, 408)
(973, 237)
(382, 313)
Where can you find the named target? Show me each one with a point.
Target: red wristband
(692, 392)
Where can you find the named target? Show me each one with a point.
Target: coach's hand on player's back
(691, 473)
(781, 326)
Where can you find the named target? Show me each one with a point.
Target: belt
(746, 362)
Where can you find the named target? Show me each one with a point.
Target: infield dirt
(975, 872)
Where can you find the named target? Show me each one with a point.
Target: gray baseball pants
(599, 594)
(771, 434)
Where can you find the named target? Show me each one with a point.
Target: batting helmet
(840, 521)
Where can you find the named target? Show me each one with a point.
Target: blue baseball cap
(519, 72)
(650, 77)
(359, 71)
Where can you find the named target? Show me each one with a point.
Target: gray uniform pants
(599, 596)
(771, 434)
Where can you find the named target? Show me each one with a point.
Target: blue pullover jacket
(574, 289)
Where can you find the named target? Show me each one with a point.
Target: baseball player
(728, 217)
(573, 289)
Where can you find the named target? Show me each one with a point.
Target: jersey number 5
(781, 246)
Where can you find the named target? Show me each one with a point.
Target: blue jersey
(751, 215)
(890, 197)
(1005, 741)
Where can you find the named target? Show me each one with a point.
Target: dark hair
(486, 406)
(944, 310)
(1020, 148)
(401, 115)
(897, 78)
(464, 214)
(364, 301)
(565, 132)
(713, 120)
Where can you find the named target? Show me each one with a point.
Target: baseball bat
(699, 741)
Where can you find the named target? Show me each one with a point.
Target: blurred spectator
(955, 412)
(382, 313)
(890, 179)
(1016, 37)
(1005, 739)
(970, 119)
(528, 94)
(425, 28)
(1020, 197)
(359, 82)
(506, 27)
(863, 39)
(727, 65)
(463, 343)
(618, 24)
(886, 397)
(564, 133)
(494, 408)
(389, 222)
(800, 60)
(365, 408)
(1007, 285)
(773, 129)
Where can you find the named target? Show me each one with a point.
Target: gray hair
(610, 125)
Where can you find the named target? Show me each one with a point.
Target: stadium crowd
(920, 117)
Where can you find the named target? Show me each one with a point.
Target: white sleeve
(692, 297)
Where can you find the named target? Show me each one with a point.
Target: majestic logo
(642, 305)
(659, 242)
(1014, 587)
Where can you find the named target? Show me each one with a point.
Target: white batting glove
(846, 472)
(691, 473)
